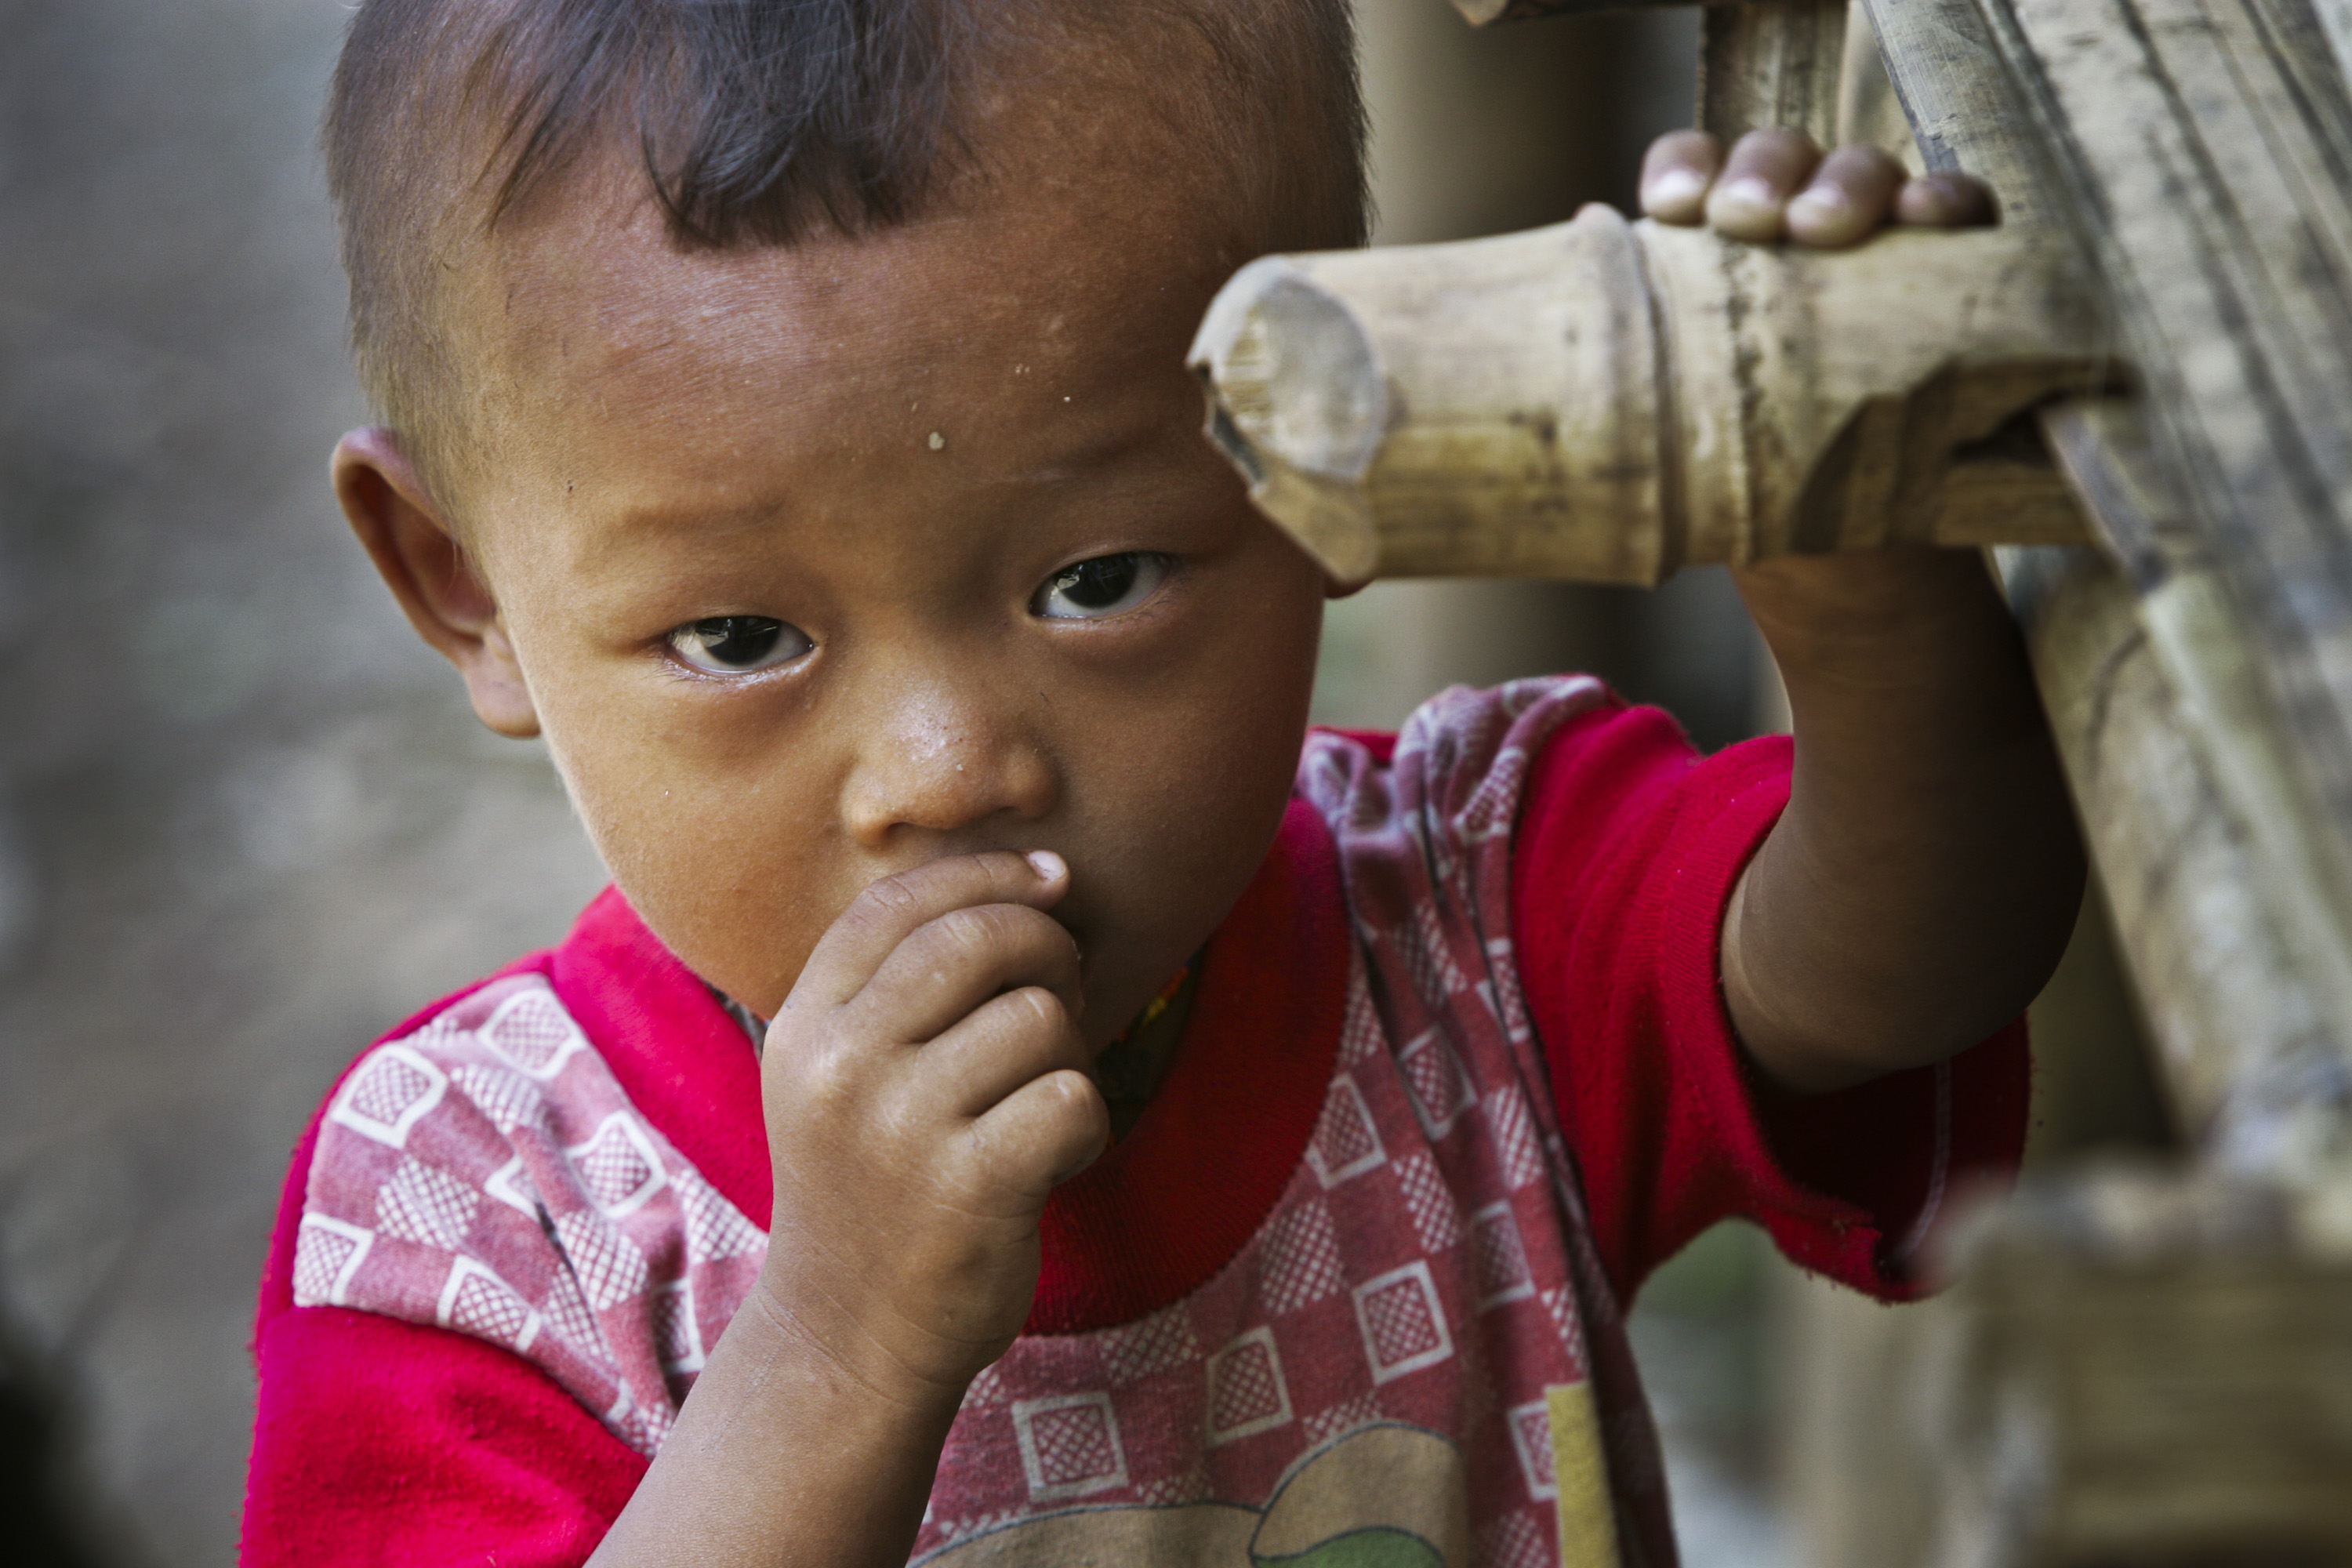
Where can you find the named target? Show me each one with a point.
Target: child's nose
(944, 763)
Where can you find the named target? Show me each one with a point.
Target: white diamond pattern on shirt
(1360, 1030)
(1247, 1393)
(1560, 1306)
(532, 1031)
(608, 1266)
(1439, 1090)
(715, 1229)
(584, 1222)
(1362, 1410)
(1516, 1540)
(319, 1256)
(1436, 1218)
(511, 1184)
(618, 1168)
(641, 1425)
(477, 1301)
(390, 1089)
(1345, 1143)
(1531, 1437)
(962, 1527)
(569, 1314)
(1427, 952)
(1493, 806)
(325, 1253)
(1192, 1486)
(1301, 1259)
(1509, 1004)
(1161, 1343)
(1402, 1321)
(1498, 1258)
(986, 1390)
(424, 1205)
(507, 1099)
(388, 1094)
(1513, 1135)
(1070, 1446)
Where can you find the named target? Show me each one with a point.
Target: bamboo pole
(2203, 150)
(2148, 1364)
(2205, 328)
(1610, 401)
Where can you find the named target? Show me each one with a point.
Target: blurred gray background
(245, 819)
(246, 822)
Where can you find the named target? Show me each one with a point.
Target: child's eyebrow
(1108, 450)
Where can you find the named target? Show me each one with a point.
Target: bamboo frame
(2134, 1366)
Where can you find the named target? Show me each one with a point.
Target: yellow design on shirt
(1384, 1495)
(1588, 1523)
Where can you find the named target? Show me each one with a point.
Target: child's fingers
(949, 965)
(893, 907)
(1749, 201)
(1944, 201)
(1675, 174)
(1043, 1133)
(1850, 197)
(1006, 1042)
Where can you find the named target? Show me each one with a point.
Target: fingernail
(1673, 188)
(1751, 190)
(1049, 865)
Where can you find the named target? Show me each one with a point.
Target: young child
(787, 419)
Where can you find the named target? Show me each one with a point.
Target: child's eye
(737, 644)
(1107, 585)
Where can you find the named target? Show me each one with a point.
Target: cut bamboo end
(1300, 405)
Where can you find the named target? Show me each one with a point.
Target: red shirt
(384, 1439)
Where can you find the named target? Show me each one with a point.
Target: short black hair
(756, 122)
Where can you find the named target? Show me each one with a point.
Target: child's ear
(429, 573)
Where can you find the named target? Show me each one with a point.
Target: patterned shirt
(1351, 1291)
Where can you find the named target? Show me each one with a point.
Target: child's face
(783, 544)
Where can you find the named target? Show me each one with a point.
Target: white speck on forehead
(938, 441)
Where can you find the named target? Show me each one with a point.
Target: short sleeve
(377, 1441)
(1627, 850)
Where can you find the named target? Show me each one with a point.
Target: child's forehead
(1059, 273)
(980, 351)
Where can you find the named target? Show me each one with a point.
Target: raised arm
(1922, 884)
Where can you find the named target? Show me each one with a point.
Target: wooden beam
(2149, 1369)
(2238, 1017)
(2226, 866)
(2244, 963)
(2335, 16)
(1950, 79)
(2206, 153)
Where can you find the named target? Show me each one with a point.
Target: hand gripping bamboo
(1607, 401)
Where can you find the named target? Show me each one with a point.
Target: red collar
(1154, 1218)
(1151, 1220)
